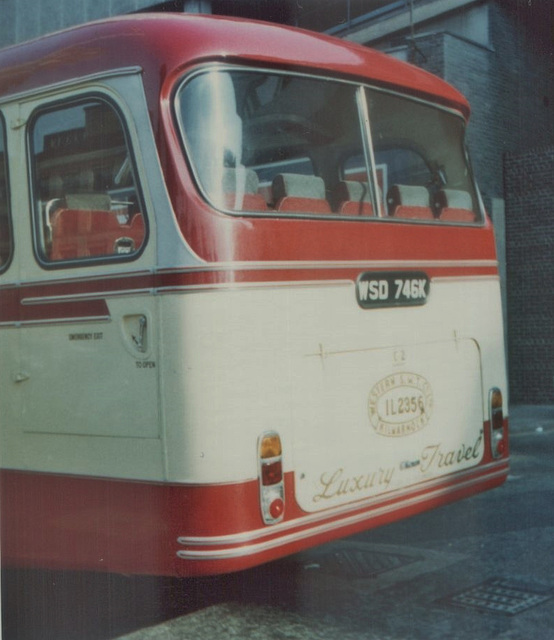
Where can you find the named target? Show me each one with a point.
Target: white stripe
(251, 549)
(248, 549)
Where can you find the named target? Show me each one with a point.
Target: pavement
(516, 545)
(528, 417)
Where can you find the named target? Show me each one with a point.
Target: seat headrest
(407, 195)
(55, 186)
(298, 186)
(353, 190)
(454, 199)
(88, 201)
(230, 177)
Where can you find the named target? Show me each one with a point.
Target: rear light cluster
(272, 490)
(496, 415)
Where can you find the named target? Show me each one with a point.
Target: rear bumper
(239, 551)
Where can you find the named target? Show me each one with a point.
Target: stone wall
(26, 19)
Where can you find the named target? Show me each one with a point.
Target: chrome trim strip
(55, 321)
(87, 277)
(495, 469)
(367, 141)
(86, 297)
(438, 279)
(333, 264)
(218, 286)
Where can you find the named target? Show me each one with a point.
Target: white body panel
(306, 361)
(81, 397)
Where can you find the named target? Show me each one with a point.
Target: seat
(455, 206)
(251, 199)
(128, 238)
(298, 193)
(354, 198)
(409, 202)
(83, 233)
(89, 201)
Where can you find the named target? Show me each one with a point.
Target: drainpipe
(412, 42)
(348, 15)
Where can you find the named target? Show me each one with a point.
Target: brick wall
(529, 188)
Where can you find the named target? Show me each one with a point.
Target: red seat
(135, 230)
(81, 233)
(353, 208)
(299, 193)
(251, 199)
(449, 214)
(409, 202)
(250, 202)
(354, 198)
(455, 206)
(303, 205)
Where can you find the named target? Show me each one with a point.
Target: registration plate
(392, 289)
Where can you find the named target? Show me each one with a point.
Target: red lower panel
(78, 523)
(120, 526)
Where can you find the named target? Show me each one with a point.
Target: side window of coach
(87, 202)
(5, 230)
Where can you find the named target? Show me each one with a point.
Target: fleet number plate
(392, 289)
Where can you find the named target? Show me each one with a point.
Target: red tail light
(272, 490)
(272, 473)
